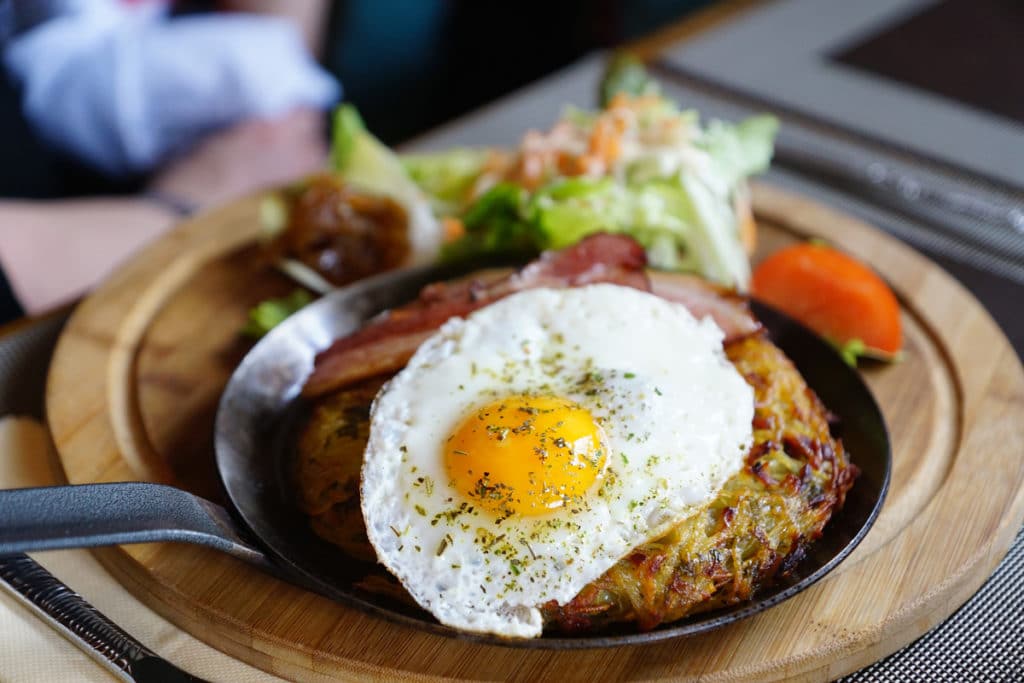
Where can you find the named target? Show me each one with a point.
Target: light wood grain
(138, 370)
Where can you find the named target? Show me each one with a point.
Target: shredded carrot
(633, 102)
(646, 102)
(571, 164)
(557, 152)
(531, 170)
(620, 121)
(619, 101)
(497, 161)
(604, 141)
(453, 228)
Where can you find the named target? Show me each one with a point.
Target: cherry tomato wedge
(833, 294)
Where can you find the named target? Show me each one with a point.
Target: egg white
(675, 413)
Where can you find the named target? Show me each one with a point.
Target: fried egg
(526, 448)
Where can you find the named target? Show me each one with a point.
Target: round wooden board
(137, 373)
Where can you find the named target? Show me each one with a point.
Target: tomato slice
(834, 294)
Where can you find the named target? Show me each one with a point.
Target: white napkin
(122, 87)
(30, 650)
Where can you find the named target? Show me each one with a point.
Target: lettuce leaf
(495, 224)
(681, 222)
(268, 314)
(714, 236)
(742, 149)
(365, 162)
(446, 177)
(626, 74)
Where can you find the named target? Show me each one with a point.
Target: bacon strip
(729, 309)
(387, 342)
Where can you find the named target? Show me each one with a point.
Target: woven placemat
(982, 641)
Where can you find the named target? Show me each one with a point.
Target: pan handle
(89, 515)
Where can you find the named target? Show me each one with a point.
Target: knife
(85, 626)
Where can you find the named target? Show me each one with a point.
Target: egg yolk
(526, 455)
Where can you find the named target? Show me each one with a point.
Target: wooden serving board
(136, 377)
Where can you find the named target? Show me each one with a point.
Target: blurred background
(408, 65)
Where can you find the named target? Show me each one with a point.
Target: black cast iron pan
(254, 434)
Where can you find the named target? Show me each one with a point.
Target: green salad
(641, 166)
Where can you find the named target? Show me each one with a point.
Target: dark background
(408, 65)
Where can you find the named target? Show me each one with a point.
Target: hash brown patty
(756, 530)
